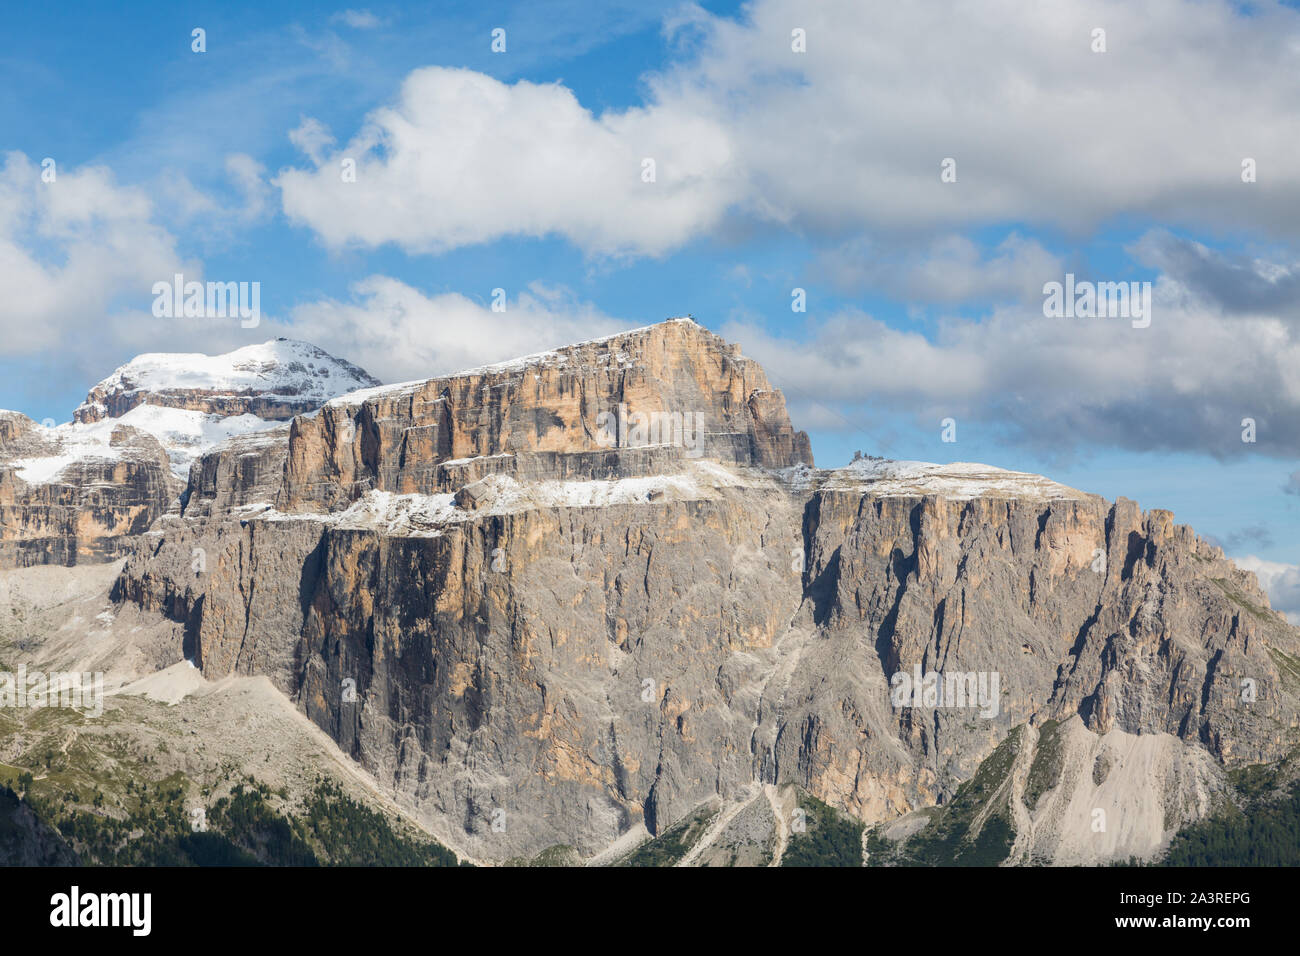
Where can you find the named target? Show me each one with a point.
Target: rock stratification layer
(636, 403)
(73, 502)
(81, 491)
(537, 634)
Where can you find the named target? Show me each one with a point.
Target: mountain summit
(274, 380)
(82, 490)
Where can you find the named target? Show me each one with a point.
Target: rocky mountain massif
(598, 605)
(600, 594)
(82, 491)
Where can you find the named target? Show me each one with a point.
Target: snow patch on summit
(960, 480)
(296, 374)
(282, 368)
(186, 434)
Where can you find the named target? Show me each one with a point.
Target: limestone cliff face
(1079, 606)
(244, 470)
(563, 412)
(13, 426)
(57, 511)
(578, 669)
(557, 640)
(84, 490)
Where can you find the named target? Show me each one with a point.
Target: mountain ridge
(83, 489)
(496, 585)
(537, 622)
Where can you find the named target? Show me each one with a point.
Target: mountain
(77, 493)
(599, 605)
(273, 381)
(561, 606)
(82, 490)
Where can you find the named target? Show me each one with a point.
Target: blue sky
(777, 169)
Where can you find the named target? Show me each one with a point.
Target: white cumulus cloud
(847, 137)
(1185, 383)
(462, 158)
(399, 333)
(72, 250)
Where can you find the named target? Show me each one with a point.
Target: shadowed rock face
(244, 470)
(1079, 606)
(567, 640)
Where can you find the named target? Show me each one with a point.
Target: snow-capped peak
(282, 376)
(190, 402)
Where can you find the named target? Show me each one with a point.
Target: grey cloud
(1254, 537)
(1186, 383)
(951, 270)
(1235, 282)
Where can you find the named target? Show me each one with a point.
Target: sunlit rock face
(538, 629)
(643, 402)
(71, 500)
